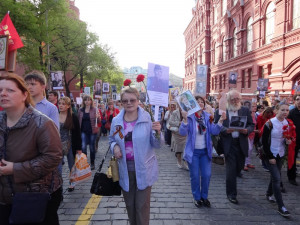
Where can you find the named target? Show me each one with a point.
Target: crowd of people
(49, 129)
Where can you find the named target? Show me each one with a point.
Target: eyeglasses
(235, 99)
(131, 101)
(297, 99)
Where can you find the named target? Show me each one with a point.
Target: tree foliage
(71, 46)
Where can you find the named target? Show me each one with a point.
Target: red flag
(8, 28)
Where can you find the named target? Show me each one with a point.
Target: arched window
(234, 43)
(224, 7)
(296, 14)
(249, 34)
(270, 23)
(223, 50)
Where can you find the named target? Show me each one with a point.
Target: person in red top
(263, 118)
(111, 112)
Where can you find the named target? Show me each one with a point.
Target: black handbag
(29, 207)
(103, 185)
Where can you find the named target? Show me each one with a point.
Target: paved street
(171, 199)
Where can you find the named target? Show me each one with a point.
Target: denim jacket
(190, 130)
(144, 142)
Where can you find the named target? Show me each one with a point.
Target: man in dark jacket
(294, 115)
(234, 142)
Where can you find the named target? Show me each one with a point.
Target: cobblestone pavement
(171, 199)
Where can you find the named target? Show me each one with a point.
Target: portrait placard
(262, 84)
(201, 80)
(158, 84)
(57, 80)
(238, 122)
(98, 88)
(188, 103)
(232, 80)
(3, 52)
(105, 87)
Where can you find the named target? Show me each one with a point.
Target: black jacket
(76, 135)
(294, 115)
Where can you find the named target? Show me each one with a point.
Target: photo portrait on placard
(232, 79)
(3, 52)
(262, 84)
(201, 72)
(201, 88)
(113, 88)
(57, 80)
(106, 87)
(87, 90)
(98, 88)
(238, 122)
(173, 93)
(187, 102)
(158, 84)
(142, 96)
(158, 78)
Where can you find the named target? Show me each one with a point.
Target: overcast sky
(141, 31)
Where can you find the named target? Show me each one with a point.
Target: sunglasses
(131, 101)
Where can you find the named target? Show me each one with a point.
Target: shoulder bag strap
(102, 162)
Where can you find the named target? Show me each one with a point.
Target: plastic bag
(81, 170)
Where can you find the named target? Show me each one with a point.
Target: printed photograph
(187, 102)
(57, 80)
(238, 122)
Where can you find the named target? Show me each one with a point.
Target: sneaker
(283, 211)
(179, 166)
(198, 204)
(270, 198)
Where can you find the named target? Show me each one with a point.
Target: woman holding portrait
(198, 149)
(132, 141)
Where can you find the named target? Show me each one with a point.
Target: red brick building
(256, 38)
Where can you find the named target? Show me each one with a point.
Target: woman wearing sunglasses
(132, 141)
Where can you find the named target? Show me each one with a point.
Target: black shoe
(283, 211)
(282, 189)
(205, 202)
(198, 204)
(293, 182)
(240, 175)
(70, 189)
(92, 166)
(233, 200)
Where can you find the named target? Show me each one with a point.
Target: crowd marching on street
(39, 134)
